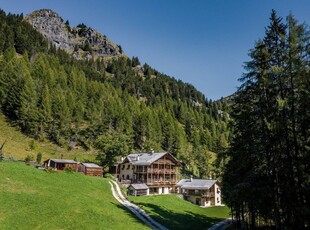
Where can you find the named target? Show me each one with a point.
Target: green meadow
(35, 199)
(175, 213)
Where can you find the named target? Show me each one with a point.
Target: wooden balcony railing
(160, 182)
(202, 194)
(156, 170)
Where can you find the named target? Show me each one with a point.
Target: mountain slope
(52, 96)
(18, 145)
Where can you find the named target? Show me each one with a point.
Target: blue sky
(202, 42)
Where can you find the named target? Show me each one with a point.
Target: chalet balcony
(155, 171)
(161, 182)
(201, 194)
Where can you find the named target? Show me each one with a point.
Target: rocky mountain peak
(80, 41)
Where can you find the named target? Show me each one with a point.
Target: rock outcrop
(80, 41)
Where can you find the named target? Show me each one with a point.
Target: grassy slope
(18, 145)
(175, 213)
(35, 199)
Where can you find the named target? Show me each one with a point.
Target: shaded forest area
(112, 107)
(267, 179)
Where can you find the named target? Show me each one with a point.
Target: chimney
(191, 178)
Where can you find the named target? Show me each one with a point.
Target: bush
(28, 159)
(1, 156)
(39, 158)
(68, 170)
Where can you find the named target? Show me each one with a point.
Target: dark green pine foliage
(266, 181)
(53, 96)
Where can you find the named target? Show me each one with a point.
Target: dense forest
(267, 179)
(113, 107)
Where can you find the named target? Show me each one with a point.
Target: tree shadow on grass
(174, 220)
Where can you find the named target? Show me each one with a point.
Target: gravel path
(140, 213)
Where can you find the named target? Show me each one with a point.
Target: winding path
(140, 213)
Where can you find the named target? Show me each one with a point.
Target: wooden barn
(138, 190)
(90, 169)
(61, 164)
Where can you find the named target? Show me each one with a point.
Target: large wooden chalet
(159, 171)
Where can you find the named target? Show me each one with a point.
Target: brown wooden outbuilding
(138, 190)
(90, 169)
(61, 164)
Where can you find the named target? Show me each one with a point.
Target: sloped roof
(196, 183)
(91, 165)
(139, 186)
(63, 161)
(146, 158)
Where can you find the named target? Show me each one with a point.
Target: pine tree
(266, 152)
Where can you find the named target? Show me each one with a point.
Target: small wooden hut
(61, 164)
(90, 169)
(138, 190)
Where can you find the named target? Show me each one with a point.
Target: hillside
(96, 105)
(34, 199)
(18, 145)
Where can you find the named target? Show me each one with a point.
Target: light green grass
(35, 199)
(18, 145)
(175, 213)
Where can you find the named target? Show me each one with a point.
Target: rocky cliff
(80, 41)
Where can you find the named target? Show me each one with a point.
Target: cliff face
(80, 41)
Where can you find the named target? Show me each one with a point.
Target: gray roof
(139, 186)
(198, 184)
(144, 158)
(63, 161)
(91, 165)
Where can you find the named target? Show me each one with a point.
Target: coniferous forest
(267, 180)
(105, 106)
(260, 136)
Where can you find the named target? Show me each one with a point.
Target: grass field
(19, 145)
(175, 213)
(35, 199)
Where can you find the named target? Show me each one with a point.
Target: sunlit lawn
(175, 213)
(35, 199)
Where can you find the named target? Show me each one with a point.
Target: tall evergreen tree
(267, 150)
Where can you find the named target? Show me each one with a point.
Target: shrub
(39, 158)
(68, 170)
(28, 159)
